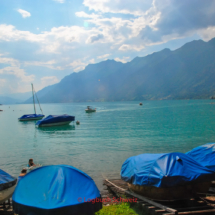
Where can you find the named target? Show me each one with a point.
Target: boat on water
(168, 176)
(205, 155)
(56, 189)
(7, 186)
(90, 109)
(34, 116)
(140, 103)
(55, 120)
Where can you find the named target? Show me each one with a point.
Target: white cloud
(92, 61)
(19, 73)
(49, 80)
(85, 15)
(48, 64)
(24, 13)
(126, 47)
(207, 33)
(78, 65)
(2, 82)
(60, 1)
(137, 7)
(17, 77)
(124, 60)
(103, 56)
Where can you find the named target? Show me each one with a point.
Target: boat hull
(35, 118)
(90, 111)
(6, 194)
(171, 193)
(54, 124)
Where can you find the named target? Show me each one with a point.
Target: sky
(42, 41)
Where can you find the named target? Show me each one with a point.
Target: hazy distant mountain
(7, 100)
(186, 73)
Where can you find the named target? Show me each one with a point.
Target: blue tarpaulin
(31, 116)
(52, 119)
(56, 189)
(205, 155)
(6, 180)
(164, 170)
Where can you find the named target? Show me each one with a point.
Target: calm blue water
(105, 139)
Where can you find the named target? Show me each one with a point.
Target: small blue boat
(205, 155)
(55, 120)
(28, 117)
(34, 116)
(7, 186)
(56, 189)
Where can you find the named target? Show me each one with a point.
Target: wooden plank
(193, 212)
(212, 189)
(194, 208)
(160, 211)
(145, 199)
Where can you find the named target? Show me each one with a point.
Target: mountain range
(185, 73)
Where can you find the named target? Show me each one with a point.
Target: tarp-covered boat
(27, 117)
(55, 120)
(166, 176)
(205, 155)
(56, 189)
(7, 186)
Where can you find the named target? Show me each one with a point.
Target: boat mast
(33, 98)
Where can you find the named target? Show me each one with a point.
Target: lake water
(105, 139)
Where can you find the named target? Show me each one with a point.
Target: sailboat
(34, 116)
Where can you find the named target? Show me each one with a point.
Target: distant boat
(90, 110)
(141, 103)
(7, 186)
(34, 116)
(55, 120)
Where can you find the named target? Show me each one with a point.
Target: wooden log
(193, 212)
(146, 200)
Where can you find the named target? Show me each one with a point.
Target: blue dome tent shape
(54, 190)
(205, 155)
(164, 170)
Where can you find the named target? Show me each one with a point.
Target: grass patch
(119, 209)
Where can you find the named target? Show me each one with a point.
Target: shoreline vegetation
(119, 209)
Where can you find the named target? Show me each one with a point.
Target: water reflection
(54, 129)
(28, 122)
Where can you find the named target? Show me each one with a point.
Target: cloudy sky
(42, 41)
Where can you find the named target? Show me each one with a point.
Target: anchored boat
(90, 109)
(34, 116)
(7, 186)
(55, 120)
(168, 176)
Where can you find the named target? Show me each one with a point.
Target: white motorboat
(90, 110)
